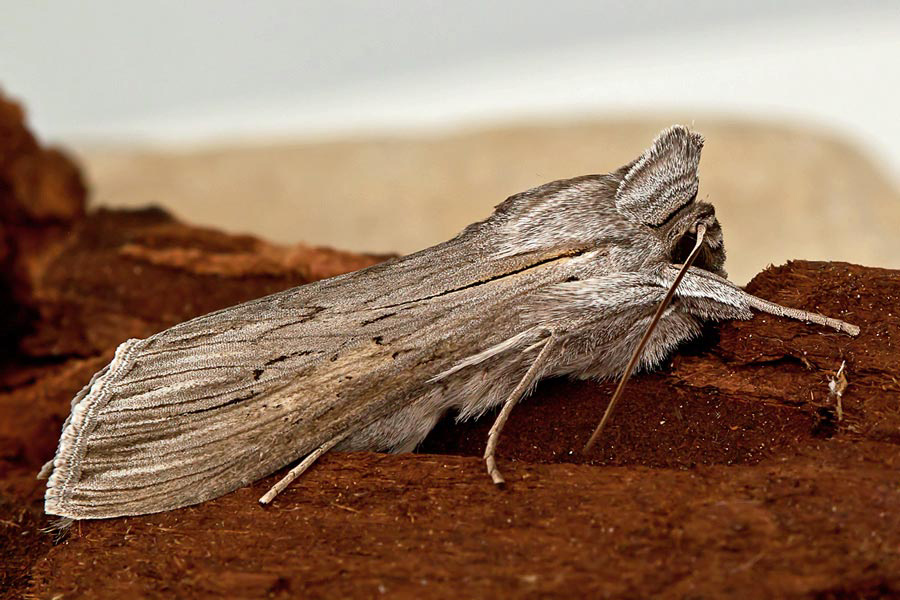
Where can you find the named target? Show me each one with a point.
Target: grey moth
(562, 279)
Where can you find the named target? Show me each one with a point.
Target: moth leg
(494, 435)
(300, 469)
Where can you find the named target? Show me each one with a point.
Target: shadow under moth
(586, 277)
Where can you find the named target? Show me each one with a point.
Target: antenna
(701, 233)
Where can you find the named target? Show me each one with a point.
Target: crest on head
(663, 179)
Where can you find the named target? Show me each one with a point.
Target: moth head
(659, 191)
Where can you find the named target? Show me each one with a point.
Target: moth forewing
(218, 402)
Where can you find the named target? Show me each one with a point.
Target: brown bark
(727, 473)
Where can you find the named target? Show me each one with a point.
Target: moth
(561, 280)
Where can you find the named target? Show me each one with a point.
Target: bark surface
(731, 472)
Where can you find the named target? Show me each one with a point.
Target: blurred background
(389, 126)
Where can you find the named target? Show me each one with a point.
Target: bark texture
(731, 472)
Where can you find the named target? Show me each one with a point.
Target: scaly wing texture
(217, 402)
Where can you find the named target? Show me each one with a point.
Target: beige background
(780, 191)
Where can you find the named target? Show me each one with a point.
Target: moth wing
(215, 403)
(183, 417)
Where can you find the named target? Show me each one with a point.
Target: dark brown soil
(729, 473)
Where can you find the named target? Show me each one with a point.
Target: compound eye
(683, 248)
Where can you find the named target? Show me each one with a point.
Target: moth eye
(683, 248)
